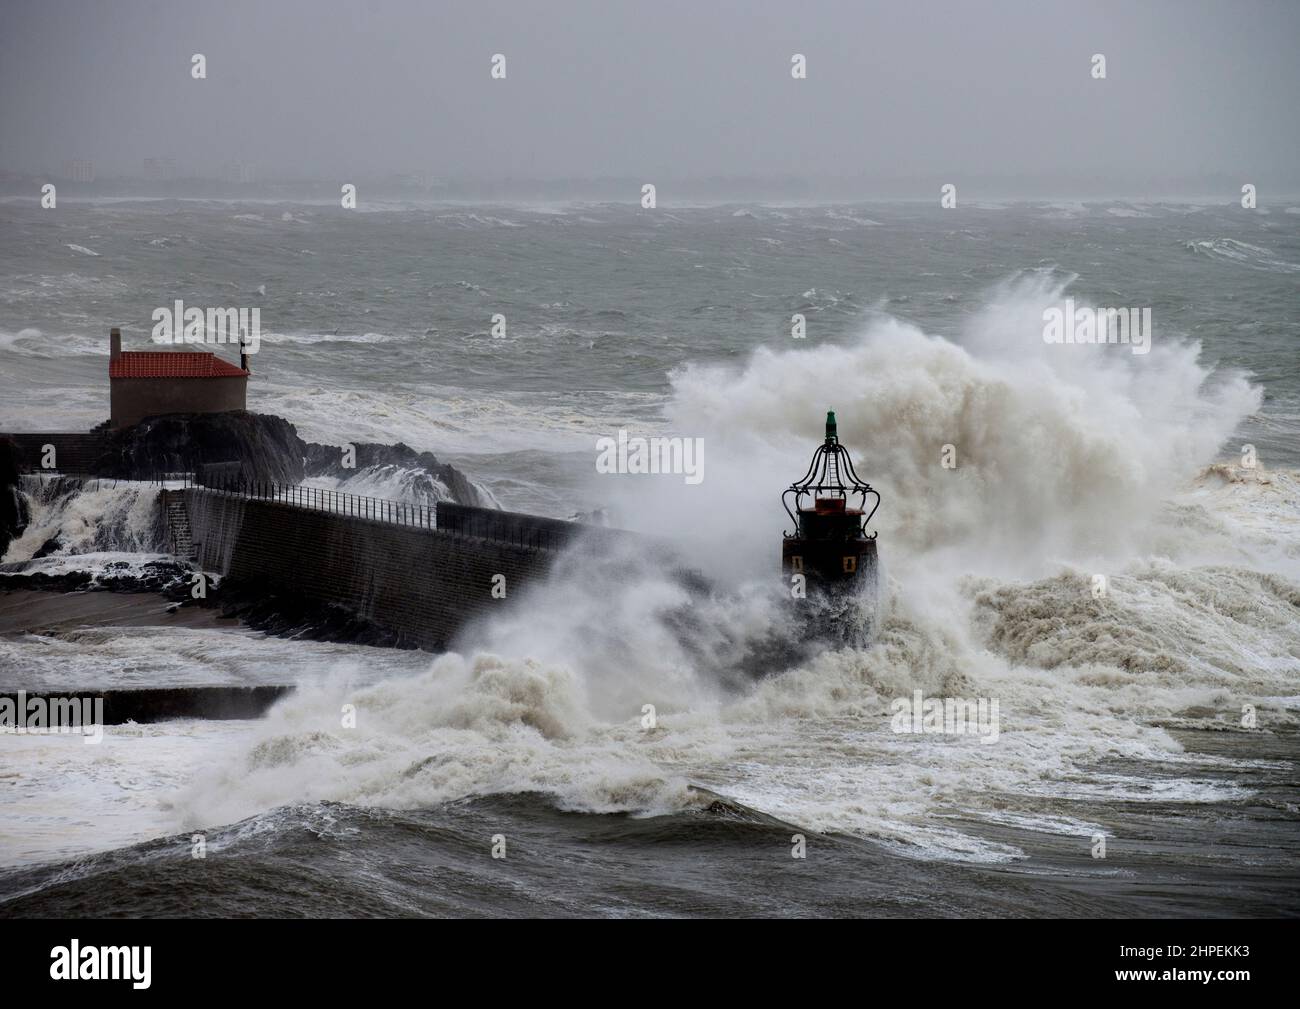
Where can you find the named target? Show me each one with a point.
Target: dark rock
(255, 446)
(13, 508)
(70, 581)
(50, 546)
(239, 447)
(171, 579)
(327, 460)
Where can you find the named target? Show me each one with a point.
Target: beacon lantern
(829, 545)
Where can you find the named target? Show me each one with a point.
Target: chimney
(243, 355)
(114, 343)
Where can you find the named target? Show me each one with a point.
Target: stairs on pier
(177, 517)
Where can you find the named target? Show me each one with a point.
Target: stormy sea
(1103, 539)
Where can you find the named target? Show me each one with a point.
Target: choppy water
(1120, 714)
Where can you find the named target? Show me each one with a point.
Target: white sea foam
(100, 518)
(851, 219)
(1230, 250)
(474, 220)
(22, 342)
(299, 337)
(59, 803)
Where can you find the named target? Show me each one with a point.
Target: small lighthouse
(830, 545)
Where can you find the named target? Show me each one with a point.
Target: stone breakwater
(248, 537)
(371, 580)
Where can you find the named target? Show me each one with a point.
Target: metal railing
(314, 498)
(531, 532)
(91, 482)
(360, 506)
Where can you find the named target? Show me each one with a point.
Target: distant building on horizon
(238, 172)
(79, 170)
(148, 383)
(160, 169)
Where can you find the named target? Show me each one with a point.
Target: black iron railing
(322, 499)
(92, 482)
(532, 532)
(515, 528)
(315, 498)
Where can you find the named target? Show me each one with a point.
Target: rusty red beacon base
(830, 545)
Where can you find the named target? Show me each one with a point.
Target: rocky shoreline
(238, 448)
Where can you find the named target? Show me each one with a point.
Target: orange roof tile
(171, 364)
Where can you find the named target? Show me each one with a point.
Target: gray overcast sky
(656, 89)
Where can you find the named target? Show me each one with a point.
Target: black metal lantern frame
(831, 466)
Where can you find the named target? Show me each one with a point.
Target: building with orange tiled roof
(148, 383)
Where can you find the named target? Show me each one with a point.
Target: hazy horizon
(897, 99)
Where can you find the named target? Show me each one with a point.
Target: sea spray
(72, 516)
(1052, 457)
(1058, 466)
